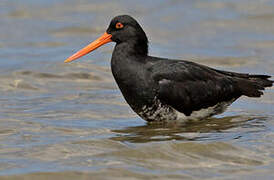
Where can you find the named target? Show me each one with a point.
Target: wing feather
(188, 86)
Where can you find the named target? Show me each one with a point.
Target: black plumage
(160, 89)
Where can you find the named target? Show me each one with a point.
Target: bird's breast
(135, 83)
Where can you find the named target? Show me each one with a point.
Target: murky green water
(69, 121)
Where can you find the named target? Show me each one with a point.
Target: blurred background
(69, 121)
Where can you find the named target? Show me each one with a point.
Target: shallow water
(69, 121)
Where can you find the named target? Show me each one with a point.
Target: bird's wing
(187, 86)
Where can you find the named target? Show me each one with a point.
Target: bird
(169, 90)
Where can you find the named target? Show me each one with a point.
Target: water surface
(69, 121)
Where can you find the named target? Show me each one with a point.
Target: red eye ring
(119, 25)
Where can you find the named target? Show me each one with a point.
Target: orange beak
(105, 38)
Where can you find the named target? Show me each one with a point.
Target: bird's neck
(136, 48)
(128, 69)
(126, 59)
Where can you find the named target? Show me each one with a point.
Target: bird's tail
(253, 85)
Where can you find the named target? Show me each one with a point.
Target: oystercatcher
(160, 89)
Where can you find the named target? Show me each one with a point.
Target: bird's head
(122, 29)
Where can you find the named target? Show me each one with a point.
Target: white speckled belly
(159, 112)
(205, 113)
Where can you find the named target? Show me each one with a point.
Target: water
(69, 121)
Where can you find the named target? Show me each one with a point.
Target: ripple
(70, 76)
(190, 131)
(69, 121)
(76, 31)
(20, 14)
(44, 44)
(20, 84)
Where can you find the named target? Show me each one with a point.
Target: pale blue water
(71, 121)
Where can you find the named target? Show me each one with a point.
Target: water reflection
(189, 131)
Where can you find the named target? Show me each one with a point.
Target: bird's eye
(119, 25)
